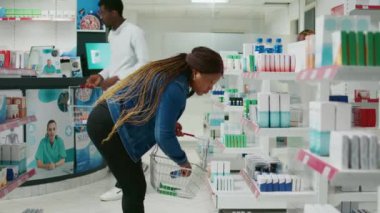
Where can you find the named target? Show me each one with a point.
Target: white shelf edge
(284, 76)
(16, 183)
(284, 132)
(17, 122)
(243, 150)
(340, 73)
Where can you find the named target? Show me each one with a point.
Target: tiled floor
(86, 199)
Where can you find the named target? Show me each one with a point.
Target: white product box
(248, 49)
(282, 63)
(325, 26)
(287, 63)
(277, 67)
(322, 116)
(364, 152)
(220, 168)
(18, 152)
(272, 67)
(373, 152)
(285, 102)
(267, 63)
(339, 145)
(343, 116)
(299, 50)
(226, 168)
(292, 63)
(6, 154)
(355, 152)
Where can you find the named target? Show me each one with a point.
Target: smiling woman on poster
(51, 152)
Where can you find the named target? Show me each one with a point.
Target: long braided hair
(146, 85)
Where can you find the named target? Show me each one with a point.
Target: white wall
(23, 35)
(279, 23)
(324, 6)
(201, 25)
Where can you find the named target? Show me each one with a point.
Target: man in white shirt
(128, 52)
(127, 42)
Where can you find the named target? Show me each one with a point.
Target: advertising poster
(49, 140)
(88, 16)
(87, 156)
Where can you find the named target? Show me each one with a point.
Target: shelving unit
(17, 122)
(242, 150)
(39, 19)
(233, 72)
(16, 183)
(289, 197)
(340, 73)
(273, 132)
(4, 72)
(285, 76)
(241, 197)
(338, 177)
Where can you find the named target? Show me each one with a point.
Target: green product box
(361, 49)
(168, 187)
(36, 12)
(352, 48)
(251, 63)
(377, 48)
(370, 50)
(19, 13)
(167, 192)
(10, 13)
(344, 37)
(28, 13)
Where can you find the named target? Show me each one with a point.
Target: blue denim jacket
(160, 129)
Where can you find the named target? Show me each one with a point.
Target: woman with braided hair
(142, 110)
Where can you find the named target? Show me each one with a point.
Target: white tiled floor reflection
(86, 199)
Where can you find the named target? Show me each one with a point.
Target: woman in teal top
(49, 68)
(51, 152)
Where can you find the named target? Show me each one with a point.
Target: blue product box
(285, 119)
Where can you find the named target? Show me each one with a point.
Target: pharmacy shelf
(233, 72)
(227, 108)
(279, 76)
(289, 197)
(243, 150)
(207, 126)
(241, 197)
(40, 83)
(275, 132)
(340, 73)
(17, 122)
(17, 72)
(337, 197)
(338, 177)
(39, 19)
(16, 183)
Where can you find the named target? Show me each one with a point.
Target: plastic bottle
(259, 47)
(269, 46)
(278, 46)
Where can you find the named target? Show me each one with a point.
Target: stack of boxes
(13, 159)
(232, 135)
(267, 173)
(356, 48)
(273, 110)
(15, 107)
(324, 118)
(355, 150)
(220, 176)
(330, 24)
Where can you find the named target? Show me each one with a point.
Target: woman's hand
(178, 130)
(185, 169)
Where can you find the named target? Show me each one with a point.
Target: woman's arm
(47, 166)
(172, 104)
(60, 162)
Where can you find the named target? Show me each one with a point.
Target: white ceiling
(247, 9)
